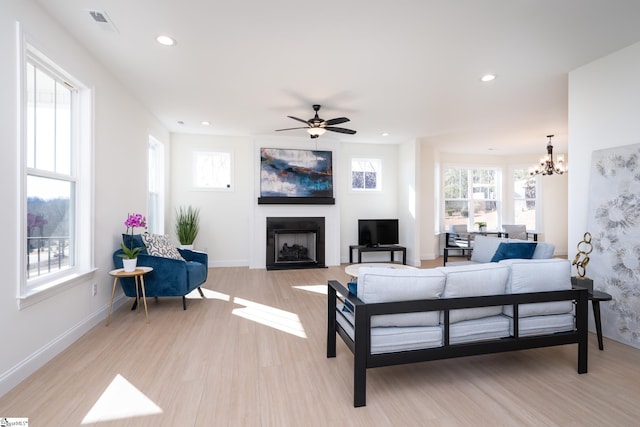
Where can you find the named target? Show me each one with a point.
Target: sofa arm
(196, 256)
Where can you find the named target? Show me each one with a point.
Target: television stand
(379, 248)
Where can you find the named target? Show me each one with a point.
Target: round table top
(352, 269)
(139, 271)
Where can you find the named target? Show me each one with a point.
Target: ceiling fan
(316, 126)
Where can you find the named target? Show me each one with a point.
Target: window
(155, 209)
(524, 198)
(57, 180)
(366, 174)
(212, 170)
(471, 197)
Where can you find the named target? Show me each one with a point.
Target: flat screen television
(377, 232)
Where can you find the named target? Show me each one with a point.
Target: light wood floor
(253, 354)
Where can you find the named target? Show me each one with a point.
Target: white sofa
(396, 316)
(485, 247)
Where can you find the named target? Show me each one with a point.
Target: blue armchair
(170, 277)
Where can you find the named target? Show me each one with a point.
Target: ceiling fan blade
(300, 120)
(336, 121)
(340, 130)
(278, 130)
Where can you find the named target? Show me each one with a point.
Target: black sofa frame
(361, 349)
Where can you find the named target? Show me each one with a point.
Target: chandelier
(546, 166)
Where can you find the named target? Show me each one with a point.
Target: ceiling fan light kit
(317, 126)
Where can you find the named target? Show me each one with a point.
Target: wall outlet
(94, 289)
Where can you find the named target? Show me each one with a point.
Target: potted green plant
(129, 254)
(482, 226)
(187, 225)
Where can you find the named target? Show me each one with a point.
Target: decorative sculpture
(581, 260)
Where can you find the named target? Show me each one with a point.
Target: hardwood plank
(253, 353)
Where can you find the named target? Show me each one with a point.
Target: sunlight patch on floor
(208, 294)
(120, 400)
(318, 289)
(275, 318)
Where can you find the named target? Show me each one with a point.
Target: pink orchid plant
(133, 221)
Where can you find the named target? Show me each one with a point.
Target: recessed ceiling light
(488, 77)
(165, 40)
(205, 123)
(385, 134)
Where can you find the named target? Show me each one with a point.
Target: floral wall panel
(614, 222)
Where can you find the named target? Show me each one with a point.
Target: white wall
(603, 113)
(356, 205)
(35, 334)
(224, 215)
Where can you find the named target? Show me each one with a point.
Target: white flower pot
(190, 247)
(129, 264)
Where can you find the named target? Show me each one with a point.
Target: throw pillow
(134, 241)
(514, 251)
(159, 245)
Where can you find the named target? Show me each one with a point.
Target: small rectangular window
(366, 174)
(212, 170)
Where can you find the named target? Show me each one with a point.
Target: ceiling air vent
(103, 20)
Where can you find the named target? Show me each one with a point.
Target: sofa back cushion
(538, 275)
(384, 284)
(485, 247)
(475, 280)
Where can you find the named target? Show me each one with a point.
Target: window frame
(194, 161)
(155, 216)
(32, 290)
(379, 180)
(538, 198)
(499, 185)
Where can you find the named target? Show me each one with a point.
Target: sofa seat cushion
(539, 275)
(537, 325)
(479, 329)
(383, 284)
(474, 280)
(394, 339)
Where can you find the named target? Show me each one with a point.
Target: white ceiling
(411, 68)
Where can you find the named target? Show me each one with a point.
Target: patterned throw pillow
(159, 245)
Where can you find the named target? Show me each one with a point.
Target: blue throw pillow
(348, 307)
(134, 241)
(353, 288)
(514, 251)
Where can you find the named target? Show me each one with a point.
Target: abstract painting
(295, 173)
(614, 222)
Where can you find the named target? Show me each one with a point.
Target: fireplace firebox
(295, 242)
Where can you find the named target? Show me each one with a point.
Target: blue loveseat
(170, 277)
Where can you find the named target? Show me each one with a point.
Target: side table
(138, 276)
(596, 297)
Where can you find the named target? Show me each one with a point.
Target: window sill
(37, 294)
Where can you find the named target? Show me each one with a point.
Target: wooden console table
(382, 248)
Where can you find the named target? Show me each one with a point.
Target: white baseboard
(20, 372)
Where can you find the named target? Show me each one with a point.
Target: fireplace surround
(295, 242)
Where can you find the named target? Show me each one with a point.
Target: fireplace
(295, 242)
